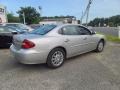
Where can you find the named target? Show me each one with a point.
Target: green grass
(111, 38)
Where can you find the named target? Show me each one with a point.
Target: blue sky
(99, 8)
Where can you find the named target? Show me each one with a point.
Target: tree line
(111, 21)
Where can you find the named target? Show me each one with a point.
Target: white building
(59, 20)
(50, 22)
(3, 15)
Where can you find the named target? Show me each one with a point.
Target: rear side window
(69, 30)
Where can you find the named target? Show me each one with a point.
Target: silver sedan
(52, 44)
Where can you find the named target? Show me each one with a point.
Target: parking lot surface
(90, 71)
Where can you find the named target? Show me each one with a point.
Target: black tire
(49, 59)
(101, 42)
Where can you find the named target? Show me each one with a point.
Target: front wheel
(56, 58)
(100, 46)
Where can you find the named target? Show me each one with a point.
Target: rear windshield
(43, 29)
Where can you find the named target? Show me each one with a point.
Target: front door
(88, 40)
(73, 41)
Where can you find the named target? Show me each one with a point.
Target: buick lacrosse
(52, 44)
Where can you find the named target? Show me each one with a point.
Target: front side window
(14, 25)
(84, 31)
(20, 26)
(70, 30)
(4, 29)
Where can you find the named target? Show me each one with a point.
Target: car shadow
(32, 66)
(44, 66)
(79, 56)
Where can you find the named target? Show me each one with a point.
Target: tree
(32, 16)
(11, 18)
(111, 21)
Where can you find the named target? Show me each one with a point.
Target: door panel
(1, 39)
(72, 39)
(74, 45)
(89, 43)
(89, 39)
(77, 40)
(6, 38)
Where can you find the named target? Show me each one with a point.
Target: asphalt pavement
(90, 71)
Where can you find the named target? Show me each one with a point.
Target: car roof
(62, 25)
(12, 23)
(9, 23)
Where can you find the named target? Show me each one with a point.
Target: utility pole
(119, 32)
(89, 4)
(81, 18)
(24, 18)
(6, 14)
(86, 13)
(40, 8)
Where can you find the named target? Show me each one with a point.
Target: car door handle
(67, 40)
(85, 38)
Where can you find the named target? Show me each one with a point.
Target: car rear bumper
(28, 56)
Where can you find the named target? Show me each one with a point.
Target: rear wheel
(100, 46)
(56, 58)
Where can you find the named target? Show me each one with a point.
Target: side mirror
(14, 32)
(26, 30)
(93, 32)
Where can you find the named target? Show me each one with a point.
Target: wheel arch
(102, 39)
(48, 62)
(63, 48)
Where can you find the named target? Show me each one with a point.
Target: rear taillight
(26, 44)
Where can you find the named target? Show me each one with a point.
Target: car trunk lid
(18, 39)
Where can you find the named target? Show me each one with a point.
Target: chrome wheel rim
(57, 58)
(100, 46)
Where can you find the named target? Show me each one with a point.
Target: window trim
(60, 30)
(86, 29)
